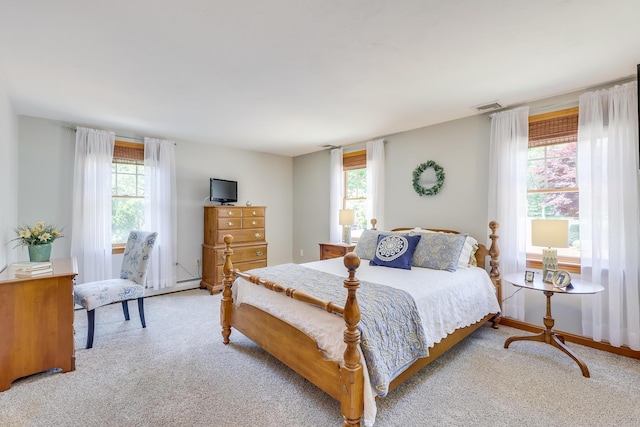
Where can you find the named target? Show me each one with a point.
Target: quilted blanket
(392, 336)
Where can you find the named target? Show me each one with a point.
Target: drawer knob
(230, 213)
(254, 213)
(253, 223)
(257, 235)
(259, 253)
(230, 223)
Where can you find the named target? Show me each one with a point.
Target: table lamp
(347, 219)
(552, 233)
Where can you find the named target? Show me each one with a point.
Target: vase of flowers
(37, 239)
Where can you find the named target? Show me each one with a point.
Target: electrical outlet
(197, 261)
(301, 252)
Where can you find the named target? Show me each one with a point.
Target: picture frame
(548, 276)
(561, 279)
(528, 276)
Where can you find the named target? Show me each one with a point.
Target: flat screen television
(223, 191)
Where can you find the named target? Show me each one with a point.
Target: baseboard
(578, 339)
(194, 284)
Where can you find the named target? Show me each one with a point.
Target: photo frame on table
(528, 276)
(562, 279)
(548, 276)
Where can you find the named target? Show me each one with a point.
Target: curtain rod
(117, 136)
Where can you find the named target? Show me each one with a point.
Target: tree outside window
(552, 186)
(355, 190)
(127, 190)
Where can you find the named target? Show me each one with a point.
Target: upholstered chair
(129, 286)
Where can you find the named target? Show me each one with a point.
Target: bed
(335, 337)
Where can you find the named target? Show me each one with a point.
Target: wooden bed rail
(351, 375)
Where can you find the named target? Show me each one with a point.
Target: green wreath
(421, 190)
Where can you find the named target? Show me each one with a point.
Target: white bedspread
(445, 300)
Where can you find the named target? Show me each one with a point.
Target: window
(552, 182)
(127, 192)
(355, 189)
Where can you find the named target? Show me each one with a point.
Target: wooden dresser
(247, 226)
(335, 250)
(36, 322)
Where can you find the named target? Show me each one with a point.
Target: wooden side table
(549, 336)
(335, 250)
(36, 322)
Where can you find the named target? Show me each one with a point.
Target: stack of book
(30, 269)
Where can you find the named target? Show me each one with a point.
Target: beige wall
(8, 177)
(460, 147)
(45, 165)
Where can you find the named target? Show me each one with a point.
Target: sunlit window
(355, 191)
(552, 184)
(127, 190)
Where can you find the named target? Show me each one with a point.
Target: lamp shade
(552, 233)
(347, 217)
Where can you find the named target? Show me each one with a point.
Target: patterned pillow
(439, 251)
(472, 258)
(366, 246)
(467, 254)
(395, 250)
(469, 249)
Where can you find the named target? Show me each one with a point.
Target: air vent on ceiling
(330, 146)
(487, 107)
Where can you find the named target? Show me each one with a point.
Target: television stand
(227, 204)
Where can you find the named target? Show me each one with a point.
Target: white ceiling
(288, 76)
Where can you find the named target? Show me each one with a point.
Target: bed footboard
(344, 382)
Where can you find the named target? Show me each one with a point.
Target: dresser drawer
(252, 212)
(229, 223)
(245, 254)
(229, 212)
(243, 266)
(243, 236)
(256, 222)
(333, 250)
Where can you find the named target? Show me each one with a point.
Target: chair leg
(125, 309)
(91, 317)
(141, 311)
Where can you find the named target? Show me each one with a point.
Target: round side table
(549, 336)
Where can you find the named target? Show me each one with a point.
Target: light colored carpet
(177, 372)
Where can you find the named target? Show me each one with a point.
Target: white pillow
(467, 248)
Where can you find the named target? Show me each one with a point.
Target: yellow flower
(40, 233)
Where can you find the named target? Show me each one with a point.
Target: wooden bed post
(227, 301)
(352, 402)
(494, 274)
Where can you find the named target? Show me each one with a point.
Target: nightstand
(549, 336)
(335, 250)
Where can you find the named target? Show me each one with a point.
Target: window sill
(118, 248)
(569, 265)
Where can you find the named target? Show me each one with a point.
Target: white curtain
(508, 198)
(91, 223)
(336, 195)
(160, 211)
(609, 213)
(375, 182)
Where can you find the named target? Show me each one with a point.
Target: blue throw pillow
(395, 251)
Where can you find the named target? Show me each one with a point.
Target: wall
(45, 165)
(460, 147)
(8, 177)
